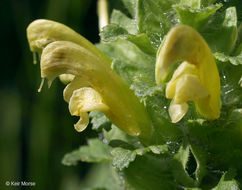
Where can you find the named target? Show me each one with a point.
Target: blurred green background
(36, 129)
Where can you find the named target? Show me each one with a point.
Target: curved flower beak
(42, 32)
(196, 79)
(94, 85)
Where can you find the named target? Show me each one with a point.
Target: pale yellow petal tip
(83, 122)
(177, 111)
(35, 35)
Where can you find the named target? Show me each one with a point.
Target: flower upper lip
(41, 32)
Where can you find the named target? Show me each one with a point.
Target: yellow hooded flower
(94, 85)
(195, 79)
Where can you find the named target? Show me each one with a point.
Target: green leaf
(235, 60)
(95, 151)
(123, 21)
(102, 176)
(194, 4)
(149, 172)
(142, 41)
(197, 4)
(123, 157)
(111, 32)
(157, 160)
(240, 35)
(231, 91)
(227, 182)
(223, 25)
(155, 18)
(116, 136)
(220, 140)
(201, 161)
(131, 6)
(155, 171)
(157, 107)
(196, 18)
(99, 121)
(179, 166)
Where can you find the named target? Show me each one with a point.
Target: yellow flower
(94, 85)
(195, 79)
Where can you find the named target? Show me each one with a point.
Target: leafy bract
(102, 177)
(112, 31)
(122, 157)
(131, 6)
(201, 161)
(219, 142)
(223, 25)
(95, 151)
(227, 181)
(99, 121)
(125, 22)
(230, 88)
(235, 60)
(155, 18)
(196, 18)
(197, 4)
(167, 170)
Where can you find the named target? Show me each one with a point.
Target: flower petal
(188, 87)
(86, 99)
(82, 123)
(177, 111)
(184, 68)
(75, 84)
